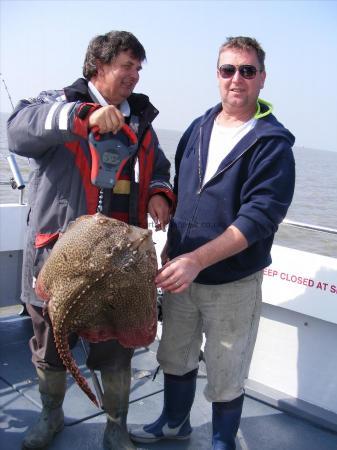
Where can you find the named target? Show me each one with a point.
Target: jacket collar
(266, 126)
(140, 104)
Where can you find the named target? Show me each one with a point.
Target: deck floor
(262, 427)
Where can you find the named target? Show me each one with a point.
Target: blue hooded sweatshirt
(252, 190)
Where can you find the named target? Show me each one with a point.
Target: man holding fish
(53, 130)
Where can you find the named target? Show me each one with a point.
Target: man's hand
(159, 210)
(179, 273)
(108, 118)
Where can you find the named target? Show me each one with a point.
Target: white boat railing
(17, 182)
(308, 226)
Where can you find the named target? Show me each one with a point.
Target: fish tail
(69, 362)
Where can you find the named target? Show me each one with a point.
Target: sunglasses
(246, 71)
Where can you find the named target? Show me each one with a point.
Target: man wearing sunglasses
(235, 176)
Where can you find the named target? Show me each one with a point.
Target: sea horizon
(173, 130)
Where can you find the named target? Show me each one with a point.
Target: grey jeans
(229, 316)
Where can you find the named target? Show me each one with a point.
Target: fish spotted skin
(98, 282)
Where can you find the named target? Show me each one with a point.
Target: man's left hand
(159, 210)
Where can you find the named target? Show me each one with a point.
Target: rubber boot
(226, 420)
(116, 386)
(52, 387)
(174, 421)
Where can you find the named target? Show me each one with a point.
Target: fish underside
(99, 283)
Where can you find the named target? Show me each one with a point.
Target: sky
(43, 43)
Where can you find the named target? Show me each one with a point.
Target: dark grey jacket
(52, 130)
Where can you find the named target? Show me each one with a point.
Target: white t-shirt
(223, 140)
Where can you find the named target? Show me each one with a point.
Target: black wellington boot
(226, 418)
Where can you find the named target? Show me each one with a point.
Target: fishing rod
(17, 180)
(8, 94)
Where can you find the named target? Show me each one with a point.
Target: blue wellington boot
(174, 421)
(226, 420)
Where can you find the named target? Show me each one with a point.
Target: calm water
(314, 200)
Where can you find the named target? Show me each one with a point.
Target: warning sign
(303, 282)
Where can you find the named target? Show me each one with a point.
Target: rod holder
(20, 184)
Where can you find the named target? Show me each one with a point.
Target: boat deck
(262, 427)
